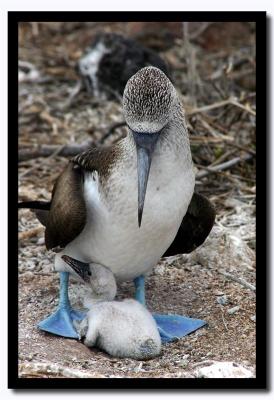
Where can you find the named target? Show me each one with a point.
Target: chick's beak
(145, 144)
(82, 269)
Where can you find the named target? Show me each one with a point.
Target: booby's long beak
(81, 268)
(145, 144)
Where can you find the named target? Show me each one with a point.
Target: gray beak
(81, 268)
(145, 144)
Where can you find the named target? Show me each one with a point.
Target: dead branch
(238, 279)
(221, 167)
(223, 318)
(70, 150)
(237, 146)
(46, 368)
(230, 101)
(46, 150)
(222, 158)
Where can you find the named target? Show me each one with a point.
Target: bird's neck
(174, 138)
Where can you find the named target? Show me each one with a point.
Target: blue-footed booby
(121, 328)
(126, 205)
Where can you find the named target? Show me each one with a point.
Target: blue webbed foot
(61, 321)
(171, 327)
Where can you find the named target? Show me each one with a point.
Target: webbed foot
(172, 327)
(61, 321)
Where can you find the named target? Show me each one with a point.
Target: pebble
(233, 310)
(253, 318)
(41, 241)
(182, 363)
(28, 276)
(218, 293)
(48, 268)
(224, 370)
(222, 300)
(159, 270)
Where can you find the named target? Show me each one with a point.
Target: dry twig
(221, 167)
(238, 279)
(44, 368)
(230, 101)
(47, 150)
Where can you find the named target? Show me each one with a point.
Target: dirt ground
(216, 282)
(177, 285)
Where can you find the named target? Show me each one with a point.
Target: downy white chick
(121, 328)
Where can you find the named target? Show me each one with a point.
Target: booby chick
(127, 205)
(121, 328)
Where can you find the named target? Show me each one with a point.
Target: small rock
(233, 310)
(48, 268)
(222, 300)
(218, 293)
(41, 241)
(182, 363)
(28, 276)
(159, 270)
(253, 318)
(221, 248)
(224, 370)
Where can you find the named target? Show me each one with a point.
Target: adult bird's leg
(61, 321)
(171, 327)
(139, 283)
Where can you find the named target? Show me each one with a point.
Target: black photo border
(261, 380)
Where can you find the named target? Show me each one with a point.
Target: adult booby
(127, 205)
(111, 60)
(121, 328)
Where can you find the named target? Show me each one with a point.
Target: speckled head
(148, 100)
(148, 103)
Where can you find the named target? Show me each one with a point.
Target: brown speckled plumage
(97, 159)
(148, 96)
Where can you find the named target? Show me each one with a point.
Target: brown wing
(195, 227)
(67, 215)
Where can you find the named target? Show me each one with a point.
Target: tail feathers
(40, 208)
(35, 205)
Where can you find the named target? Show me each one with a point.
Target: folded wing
(195, 227)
